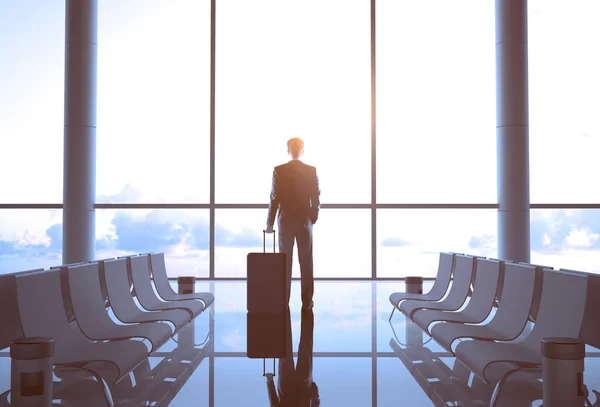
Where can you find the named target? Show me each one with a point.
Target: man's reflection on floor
(295, 384)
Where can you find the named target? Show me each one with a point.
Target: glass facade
(407, 167)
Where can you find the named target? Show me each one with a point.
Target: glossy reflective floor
(358, 358)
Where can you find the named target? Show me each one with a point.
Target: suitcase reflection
(270, 337)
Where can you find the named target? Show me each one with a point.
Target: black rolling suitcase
(267, 280)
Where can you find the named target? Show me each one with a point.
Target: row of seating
(508, 297)
(75, 303)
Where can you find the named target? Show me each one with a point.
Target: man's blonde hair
(295, 146)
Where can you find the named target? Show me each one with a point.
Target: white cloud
(28, 238)
(581, 238)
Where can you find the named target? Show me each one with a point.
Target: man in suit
(295, 200)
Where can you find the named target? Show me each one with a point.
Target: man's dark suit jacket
(295, 192)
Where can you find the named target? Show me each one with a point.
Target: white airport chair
(440, 286)
(561, 314)
(510, 318)
(479, 306)
(140, 273)
(123, 305)
(92, 317)
(457, 295)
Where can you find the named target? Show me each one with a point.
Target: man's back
(295, 191)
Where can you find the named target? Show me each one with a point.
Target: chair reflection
(147, 386)
(456, 385)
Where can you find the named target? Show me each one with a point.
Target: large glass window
(566, 238)
(292, 69)
(436, 137)
(29, 239)
(32, 40)
(300, 69)
(409, 240)
(153, 101)
(182, 235)
(563, 100)
(341, 242)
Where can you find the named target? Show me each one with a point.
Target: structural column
(79, 186)
(512, 130)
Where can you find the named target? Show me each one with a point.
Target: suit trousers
(290, 231)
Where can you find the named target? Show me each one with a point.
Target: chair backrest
(463, 274)
(41, 306)
(463, 268)
(66, 291)
(561, 308)
(476, 260)
(474, 276)
(442, 279)
(517, 295)
(87, 298)
(537, 291)
(590, 331)
(500, 275)
(10, 321)
(158, 268)
(484, 287)
(102, 280)
(119, 293)
(128, 263)
(159, 272)
(128, 268)
(140, 273)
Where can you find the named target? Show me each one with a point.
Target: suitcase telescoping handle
(265, 241)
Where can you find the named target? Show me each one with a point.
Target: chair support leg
(499, 386)
(392, 314)
(105, 390)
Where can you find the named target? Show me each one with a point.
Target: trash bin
(185, 285)
(414, 285)
(563, 365)
(31, 371)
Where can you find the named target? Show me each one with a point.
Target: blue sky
(277, 79)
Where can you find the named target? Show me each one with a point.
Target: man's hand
(269, 229)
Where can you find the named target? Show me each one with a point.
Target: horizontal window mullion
(324, 206)
(30, 206)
